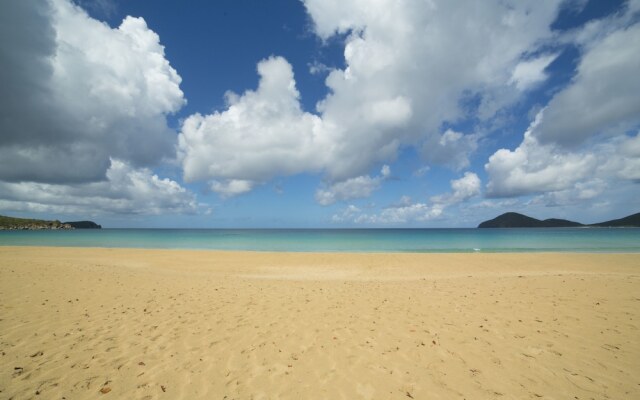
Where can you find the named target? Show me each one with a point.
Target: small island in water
(11, 223)
(515, 220)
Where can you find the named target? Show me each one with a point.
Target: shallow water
(342, 240)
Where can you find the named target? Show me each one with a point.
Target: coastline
(151, 323)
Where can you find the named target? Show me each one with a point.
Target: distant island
(515, 220)
(11, 223)
(83, 225)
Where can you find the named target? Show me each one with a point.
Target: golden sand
(173, 324)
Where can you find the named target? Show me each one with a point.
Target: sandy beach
(79, 323)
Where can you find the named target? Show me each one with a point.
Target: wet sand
(79, 323)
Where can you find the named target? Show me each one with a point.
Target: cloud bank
(462, 190)
(125, 191)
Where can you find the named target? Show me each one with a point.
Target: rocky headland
(26, 224)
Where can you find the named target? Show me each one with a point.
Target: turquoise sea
(622, 240)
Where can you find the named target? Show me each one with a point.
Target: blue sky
(319, 113)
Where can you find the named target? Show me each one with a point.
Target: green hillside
(26, 223)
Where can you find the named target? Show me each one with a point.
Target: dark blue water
(342, 240)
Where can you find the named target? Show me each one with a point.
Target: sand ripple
(89, 323)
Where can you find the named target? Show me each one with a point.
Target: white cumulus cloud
(426, 57)
(231, 187)
(462, 189)
(353, 188)
(538, 168)
(584, 143)
(535, 168)
(409, 68)
(393, 215)
(77, 93)
(529, 73)
(126, 190)
(604, 96)
(262, 134)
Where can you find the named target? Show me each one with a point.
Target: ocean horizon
(392, 240)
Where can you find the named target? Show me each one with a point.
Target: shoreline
(164, 323)
(215, 260)
(319, 252)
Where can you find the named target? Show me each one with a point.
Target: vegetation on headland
(515, 220)
(629, 221)
(84, 225)
(11, 223)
